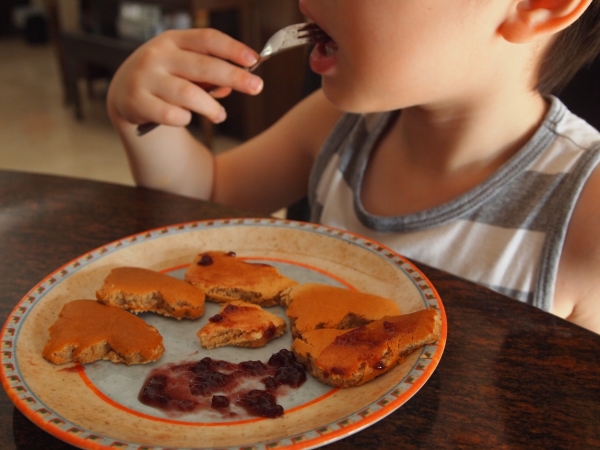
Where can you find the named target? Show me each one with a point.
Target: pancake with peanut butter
(343, 358)
(142, 290)
(241, 324)
(88, 331)
(225, 278)
(314, 306)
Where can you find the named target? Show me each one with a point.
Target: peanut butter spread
(314, 306)
(87, 331)
(225, 277)
(351, 358)
(138, 290)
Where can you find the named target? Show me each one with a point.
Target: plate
(95, 406)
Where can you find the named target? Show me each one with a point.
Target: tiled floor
(39, 133)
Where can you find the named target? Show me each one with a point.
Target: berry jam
(216, 318)
(205, 260)
(220, 386)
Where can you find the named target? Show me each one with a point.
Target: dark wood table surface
(511, 376)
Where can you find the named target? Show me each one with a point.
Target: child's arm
(271, 171)
(577, 296)
(156, 84)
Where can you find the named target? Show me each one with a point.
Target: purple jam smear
(215, 385)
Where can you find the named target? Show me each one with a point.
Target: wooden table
(511, 376)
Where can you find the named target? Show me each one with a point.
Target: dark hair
(572, 49)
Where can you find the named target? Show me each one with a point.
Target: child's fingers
(186, 95)
(216, 43)
(220, 92)
(218, 72)
(160, 111)
(159, 83)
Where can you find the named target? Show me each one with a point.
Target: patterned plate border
(32, 407)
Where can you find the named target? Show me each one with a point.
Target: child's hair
(573, 48)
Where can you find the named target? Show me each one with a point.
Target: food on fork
(88, 331)
(241, 324)
(351, 358)
(225, 278)
(314, 306)
(143, 290)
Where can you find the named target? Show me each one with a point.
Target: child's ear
(528, 20)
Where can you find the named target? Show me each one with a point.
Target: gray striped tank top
(506, 233)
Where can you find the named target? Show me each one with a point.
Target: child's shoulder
(578, 281)
(572, 127)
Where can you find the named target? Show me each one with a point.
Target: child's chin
(345, 99)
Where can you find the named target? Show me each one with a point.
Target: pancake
(142, 290)
(314, 306)
(226, 278)
(88, 331)
(351, 358)
(241, 324)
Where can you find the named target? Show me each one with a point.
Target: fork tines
(313, 33)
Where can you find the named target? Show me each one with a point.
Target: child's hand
(161, 81)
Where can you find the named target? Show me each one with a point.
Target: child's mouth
(323, 56)
(328, 48)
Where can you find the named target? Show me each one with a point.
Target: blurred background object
(54, 76)
(582, 94)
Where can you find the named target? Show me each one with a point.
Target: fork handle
(144, 128)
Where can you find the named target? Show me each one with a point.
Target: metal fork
(287, 38)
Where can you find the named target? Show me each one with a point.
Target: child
(433, 133)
